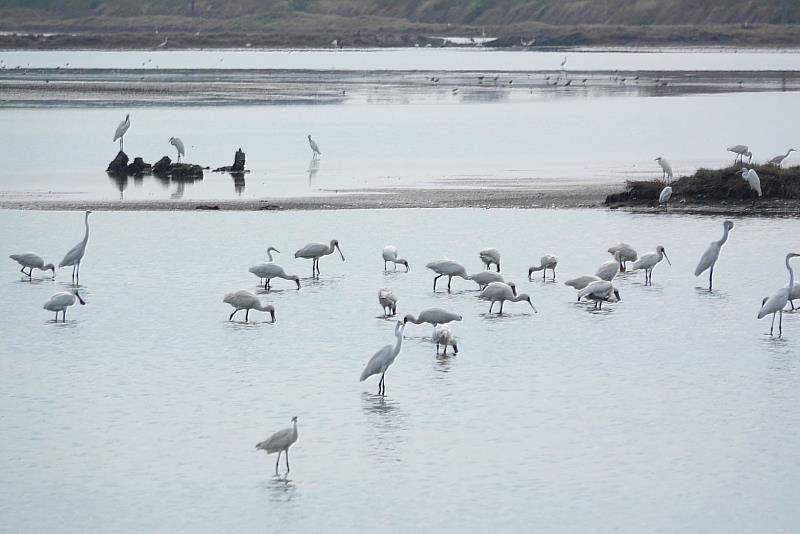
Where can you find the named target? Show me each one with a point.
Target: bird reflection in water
(179, 190)
(121, 181)
(280, 489)
(313, 169)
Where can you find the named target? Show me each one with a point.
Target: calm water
(670, 411)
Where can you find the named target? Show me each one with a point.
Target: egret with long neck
(75, 255)
(777, 302)
(711, 255)
(381, 360)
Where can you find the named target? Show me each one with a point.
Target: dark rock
(185, 171)
(210, 207)
(161, 167)
(138, 167)
(238, 164)
(119, 165)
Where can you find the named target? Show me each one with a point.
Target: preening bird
(548, 261)
(121, 129)
(490, 256)
(315, 152)
(280, 442)
(778, 160)
(608, 270)
(442, 335)
(709, 258)
(626, 253)
(32, 261)
(500, 292)
(741, 151)
(269, 270)
(75, 255)
(432, 316)
(484, 278)
(581, 281)
(314, 251)
(388, 301)
(381, 360)
(61, 301)
(245, 300)
(753, 181)
(665, 195)
(390, 255)
(777, 302)
(449, 269)
(666, 167)
(178, 144)
(599, 292)
(649, 261)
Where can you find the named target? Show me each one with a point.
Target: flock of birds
(597, 287)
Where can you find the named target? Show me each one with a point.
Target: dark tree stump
(119, 165)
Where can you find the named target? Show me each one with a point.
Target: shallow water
(669, 411)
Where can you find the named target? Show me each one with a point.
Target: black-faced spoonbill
(581, 282)
(484, 278)
(442, 335)
(490, 256)
(388, 301)
(245, 300)
(608, 270)
(315, 152)
(778, 160)
(61, 301)
(178, 144)
(500, 292)
(599, 292)
(381, 360)
(711, 255)
(280, 442)
(626, 253)
(649, 261)
(314, 251)
(390, 255)
(75, 255)
(548, 261)
(448, 268)
(32, 261)
(121, 129)
(269, 270)
(432, 316)
(777, 302)
(740, 151)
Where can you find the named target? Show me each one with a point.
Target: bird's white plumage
(63, 300)
(626, 252)
(32, 261)
(608, 270)
(665, 195)
(178, 144)
(448, 268)
(752, 180)
(389, 254)
(711, 255)
(317, 250)
(666, 167)
(599, 291)
(433, 316)
(314, 147)
(280, 442)
(75, 255)
(582, 281)
(778, 160)
(270, 270)
(443, 335)
(245, 300)
(388, 300)
(741, 151)
(501, 292)
(490, 256)
(122, 128)
(650, 260)
(484, 278)
(385, 357)
(780, 298)
(548, 261)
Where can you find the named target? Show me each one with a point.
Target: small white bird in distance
(548, 261)
(388, 301)
(740, 151)
(442, 335)
(599, 292)
(315, 152)
(666, 168)
(178, 144)
(245, 300)
(390, 255)
(121, 129)
(753, 181)
(32, 261)
(381, 360)
(280, 442)
(777, 302)
(778, 160)
(61, 301)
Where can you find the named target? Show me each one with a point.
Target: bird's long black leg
(277, 462)
(435, 279)
(780, 323)
(501, 306)
(287, 461)
(247, 315)
(710, 278)
(772, 325)
(231, 317)
(449, 279)
(385, 268)
(490, 307)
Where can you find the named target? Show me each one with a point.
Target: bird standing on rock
(121, 129)
(178, 144)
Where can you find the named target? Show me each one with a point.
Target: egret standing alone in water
(381, 360)
(711, 255)
(178, 144)
(75, 255)
(777, 302)
(280, 442)
(121, 129)
(315, 153)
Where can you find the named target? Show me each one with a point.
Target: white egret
(75, 255)
(280, 442)
(777, 302)
(581, 281)
(563, 62)
(245, 300)
(626, 253)
(61, 301)
(388, 301)
(753, 181)
(314, 251)
(501, 292)
(599, 292)
(490, 256)
(741, 151)
(381, 360)
(608, 270)
(484, 278)
(548, 261)
(178, 144)
(269, 270)
(665, 195)
(390, 255)
(315, 152)
(778, 160)
(649, 261)
(121, 129)
(32, 261)
(666, 167)
(794, 293)
(709, 258)
(432, 316)
(442, 335)
(448, 268)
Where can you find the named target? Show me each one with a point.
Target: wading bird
(442, 335)
(709, 258)
(32, 261)
(280, 442)
(599, 292)
(75, 255)
(61, 301)
(581, 282)
(608, 270)
(548, 261)
(777, 302)
(794, 294)
(665, 167)
(500, 292)
(490, 256)
(245, 300)
(649, 261)
(381, 360)
(753, 181)
(484, 278)
(390, 255)
(432, 316)
(315, 152)
(449, 269)
(178, 144)
(314, 251)
(778, 160)
(121, 129)
(388, 301)
(741, 151)
(626, 253)
(269, 270)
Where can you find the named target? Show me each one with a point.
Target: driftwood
(238, 164)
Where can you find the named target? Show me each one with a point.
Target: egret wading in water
(280, 442)
(548, 261)
(388, 301)
(178, 144)
(269, 270)
(490, 256)
(649, 261)
(599, 292)
(315, 152)
(381, 360)
(778, 160)
(709, 258)
(500, 292)
(32, 261)
(61, 301)
(626, 253)
(75, 255)
(777, 302)
(442, 335)
(432, 316)
(741, 151)
(121, 129)
(448, 268)
(245, 300)
(314, 251)
(753, 181)
(390, 255)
